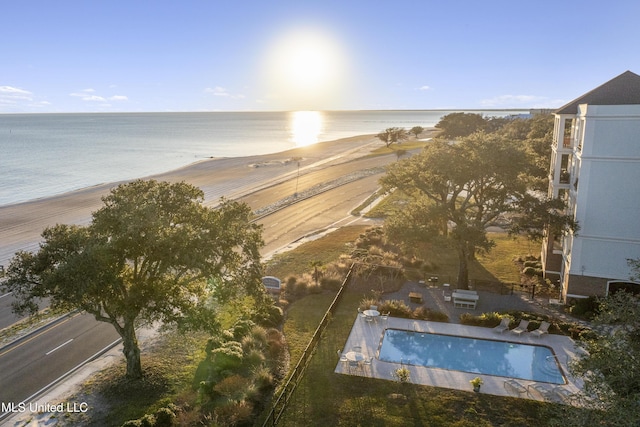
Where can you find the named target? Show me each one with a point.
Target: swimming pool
(481, 356)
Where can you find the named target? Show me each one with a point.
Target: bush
(271, 316)
(535, 264)
(330, 284)
(586, 308)
(424, 313)
(233, 413)
(396, 308)
(488, 320)
(165, 417)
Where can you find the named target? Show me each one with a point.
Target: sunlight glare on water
(306, 127)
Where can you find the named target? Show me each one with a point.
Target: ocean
(44, 155)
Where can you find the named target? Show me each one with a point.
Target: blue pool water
(481, 356)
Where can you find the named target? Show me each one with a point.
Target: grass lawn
(326, 398)
(325, 249)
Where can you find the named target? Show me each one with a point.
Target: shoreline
(21, 224)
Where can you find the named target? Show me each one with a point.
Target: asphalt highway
(30, 365)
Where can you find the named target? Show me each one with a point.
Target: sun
(306, 69)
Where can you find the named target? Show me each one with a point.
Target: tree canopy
(455, 125)
(456, 190)
(394, 135)
(416, 130)
(153, 252)
(610, 367)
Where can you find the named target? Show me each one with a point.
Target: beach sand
(22, 224)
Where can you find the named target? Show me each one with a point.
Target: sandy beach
(22, 224)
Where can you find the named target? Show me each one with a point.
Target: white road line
(61, 345)
(5, 295)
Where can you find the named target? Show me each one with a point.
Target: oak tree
(152, 253)
(457, 190)
(393, 135)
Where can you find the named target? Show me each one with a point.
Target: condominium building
(595, 167)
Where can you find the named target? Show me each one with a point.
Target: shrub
(330, 284)
(396, 308)
(148, 421)
(426, 314)
(228, 356)
(271, 316)
(233, 387)
(586, 308)
(535, 264)
(402, 375)
(165, 417)
(263, 377)
(488, 320)
(529, 271)
(366, 303)
(233, 413)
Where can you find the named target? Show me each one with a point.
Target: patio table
(355, 356)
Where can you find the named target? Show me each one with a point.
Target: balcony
(565, 177)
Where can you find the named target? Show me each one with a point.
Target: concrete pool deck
(368, 336)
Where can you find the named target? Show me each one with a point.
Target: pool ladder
(413, 327)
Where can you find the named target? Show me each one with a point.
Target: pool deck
(368, 335)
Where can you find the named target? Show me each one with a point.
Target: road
(30, 365)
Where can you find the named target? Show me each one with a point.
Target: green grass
(406, 146)
(326, 398)
(169, 369)
(325, 249)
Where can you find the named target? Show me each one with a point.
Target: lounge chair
(522, 327)
(385, 316)
(542, 329)
(503, 326)
(373, 307)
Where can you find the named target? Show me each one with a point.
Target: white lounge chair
(503, 326)
(522, 327)
(542, 329)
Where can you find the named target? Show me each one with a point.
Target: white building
(595, 167)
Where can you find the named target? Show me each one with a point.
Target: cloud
(90, 96)
(11, 95)
(425, 87)
(223, 92)
(86, 96)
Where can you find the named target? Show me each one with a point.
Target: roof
(621, 90)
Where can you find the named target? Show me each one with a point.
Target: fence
(280, 404)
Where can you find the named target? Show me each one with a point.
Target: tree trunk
(463, 266)
(131, 351)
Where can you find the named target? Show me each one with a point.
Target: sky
(219, 55)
